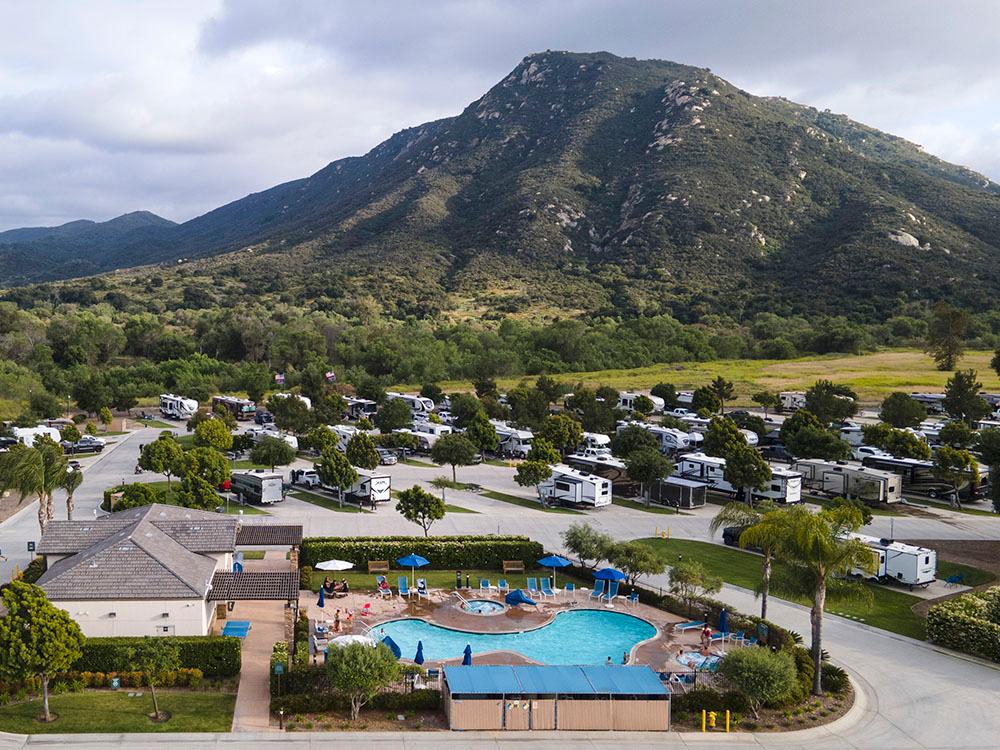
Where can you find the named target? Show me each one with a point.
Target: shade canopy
(554, 561)
(723, 621)
(419, 658)
(347, 640)
(322, 598)
(392, 646)
(467, 656)
(609, 574)
(517, 597)
(333, 565)
(413, 561)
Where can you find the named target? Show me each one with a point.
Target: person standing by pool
(706, 635)
(336, 621)
(608, 662)
(625, 657)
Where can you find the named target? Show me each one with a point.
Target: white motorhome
(696, 423)
(898, 562)
(372, 487)
(177, 407)
(425, 440)
(304, 399)
(27, 435)
(626, 400)
(568, 485)
(785, 485)
(258, 486)
(669, 439)
(792, 400)
(987, 424)
(432, 428)
(358, 408)
(603, 465)
(344, 433)
(257, 433)
(419, 405)
(933, 402)
(851, 480)
(751, 437)
(513, 442)
(597, 442)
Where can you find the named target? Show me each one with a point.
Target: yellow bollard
(727, 721)
(711, 719)
(668, 532)
(703, 713)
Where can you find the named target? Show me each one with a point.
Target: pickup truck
(680, 411)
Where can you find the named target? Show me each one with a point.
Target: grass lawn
(502, 462)
(449, 508)
(248, 510)
(890, 610)
(637, 505)
(417, 462)
(524, 502)
(158, 423)
(186, 441)
(326, 502)
(436, 579)
(114, 712)
(970, 576)
(253, 554)
(245, 463)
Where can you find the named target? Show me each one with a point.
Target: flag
(279, 378)
(331, 376)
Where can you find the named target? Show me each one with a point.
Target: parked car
(777, 452)
(81, 447)
(680, 411)
(92, 440)
(386, 457)
(869, 450)
(263, 417)
(75, 465)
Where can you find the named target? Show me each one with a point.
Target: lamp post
(281, 718)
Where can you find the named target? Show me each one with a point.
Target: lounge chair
(738, 637)
(404, 587)
(570, 588)
(547, 589)
(598, 591)
(751, 641)
(533, 587)
(689, 625)
(422, 592)
(484, 585)
(612, 592)
(386, 592)
(717, 638)
(633, 598)
(366, 610)
(502, 586)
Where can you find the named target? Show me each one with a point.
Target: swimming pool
(482, 607)
(583, 636)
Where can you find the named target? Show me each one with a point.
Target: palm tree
(35, 471)
(71, 482)
(816, 554)
(763, 527)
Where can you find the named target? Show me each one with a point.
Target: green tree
(454, 450)
(723, 438)
(37, 640)
(953, 466)
(528, 406)
(766, 400)
(859, 505)
(562, 431)
(632, 438)
(643, 406)
(724, 390)
(588, 544)
(72, 478)
(961, 397)
(433, 392)
(705, 399)
(645, 466)
(196, 492)
(759, 675)
(135, 495)
(154, 657)
(105, 417)
(321, 437)
(222, 414)
(900, 410)
(420, 507)
(212, 433)
(163, 456)
(542, 450)
(394, 414)
(989, 450)
(359, 672)
(766, 520)
(746, 469)
(667, 392)
(206, 463)
(255, 379)
(335, 470)
(272, 451)
(900, 443)
(44, 405)
(291, 414)
(361, 451)
(532, 473)
(635, 559)
(464, 406)
(946, 333)
(690, 579)
(34, 472)
(957, 435)
(805, 437)
(815, 554)
(70, 433)
(482, 433)
(831, 402)
(550, 388)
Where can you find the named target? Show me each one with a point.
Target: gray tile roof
(254, 584)
(268, 535)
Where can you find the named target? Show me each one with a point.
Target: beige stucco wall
(140, 617)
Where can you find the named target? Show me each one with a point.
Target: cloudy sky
(182, 105)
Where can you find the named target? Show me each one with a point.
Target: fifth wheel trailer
(851, 480)
(258, 486)
(567, 485)
(177, 407)
(785, 485)
(898, 562)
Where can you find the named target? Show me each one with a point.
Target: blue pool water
(583, 636)
(483, 607)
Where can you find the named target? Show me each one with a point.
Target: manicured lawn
(505, 463)
(186, 441)
(638, 505)
(114, 712)
(158, 423)
(325, 502)
(245, 463)
(449, 508)
(970, 576)
(248, 510)
(524, 502)
(890, 610)
(253, 554)
(417, 462)
(364, 583)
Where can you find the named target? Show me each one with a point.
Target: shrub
(442, 551)
(804, 673)
(761, 675)
(214, 656)
(963, 624)
(319, 702)
(834, 679)
(33, 571)
(305, 577)
(708, 699)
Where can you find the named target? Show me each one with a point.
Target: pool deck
(441, 608)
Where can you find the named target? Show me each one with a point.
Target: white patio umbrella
(333, 565)
(347, 640)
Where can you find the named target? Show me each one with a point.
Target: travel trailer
(933, 402)
(27, 435)
(785, 485)
(241, 408)
(269, 430)
(513, 442)
(419, 405)
(304, 399)
(604, 466)
(358, 408)
(573, 487)
(678, 492)
(898, 562)
(853, 435)
(258, 486)
(918, 478)
(372, 487)
(177, 407)
(792, 400)
(626, 400)
(669, 439)
(842, 479)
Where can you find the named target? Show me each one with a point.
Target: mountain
(606, 185)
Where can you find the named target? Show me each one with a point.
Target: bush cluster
(964, 624)
(318, 702)
(33, 570)
(215, 656)
(183, 677)
(708, 699)
(442, 551)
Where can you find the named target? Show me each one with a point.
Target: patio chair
(366, 610)
(717, 638)
(484, 585)
(633, 598)
(738, 637)
(612, 592)
(689, 625)
(570, 590)
(547, 589)
(422, 592)
(598, 591)
(404, 587)
(952, 581)
(751, 641)
(502, 586)
(386, 592)
(533, 587)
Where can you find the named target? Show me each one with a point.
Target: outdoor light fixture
(112, 614)
(165, 615)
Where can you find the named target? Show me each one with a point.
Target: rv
(241, 408)
(360, 408)
(918, 478)
(669, 439)
(792, 400)
(568, 485)
(344, 433)
(258, 486)
(685, 397)
(851, 480)
(304, 399)
(604, 466)
(419, 405)
(987, 424)
(898, 562)
(372, 487)
(853, 435)
(513, 442)
(751, 437)
(27, 435)
(696, 423)
(425, 439)
(257, 433)
(626, 401)
(785, 485)
(933, 402)
(596, 442)
(177, 407)
(678, 492)
(432, 428)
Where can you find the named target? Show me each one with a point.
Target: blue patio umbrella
(467, 656)
(392, 646)
(322, 599)
(517, 597)
(419, 658)
(554, 561)
(609, 574)
(723, 621)
(413, 561)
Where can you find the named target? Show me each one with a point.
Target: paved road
(914, 695)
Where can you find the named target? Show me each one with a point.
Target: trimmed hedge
(215, 656)
(963, 624)
(308, 703)
(442, 551)
(33, 571)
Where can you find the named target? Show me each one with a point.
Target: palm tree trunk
(43, 516)
(816, 618)
(50, 508)
(69, 507)
(765, 583)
